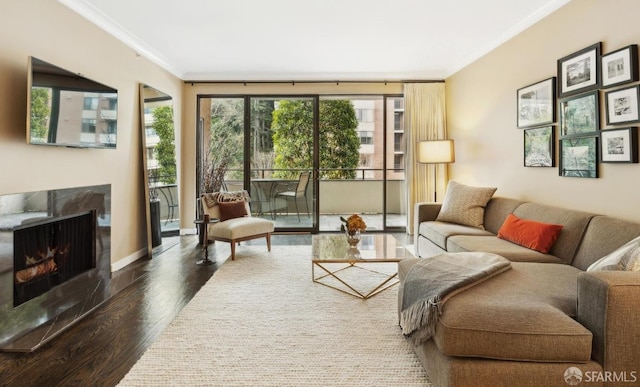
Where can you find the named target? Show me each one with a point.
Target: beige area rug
(261, 321)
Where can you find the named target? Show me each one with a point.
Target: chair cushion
(231, 210)
(239, 228)
(465, 205)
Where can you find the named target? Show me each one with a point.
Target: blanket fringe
(418, 322)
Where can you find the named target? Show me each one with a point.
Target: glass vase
(353, 238)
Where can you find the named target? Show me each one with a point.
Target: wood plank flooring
(100, 349)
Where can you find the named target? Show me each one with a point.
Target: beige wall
(481, 103)
(52, 32)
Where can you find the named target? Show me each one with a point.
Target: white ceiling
(313, 39)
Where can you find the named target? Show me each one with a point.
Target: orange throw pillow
(231, 210)
(528, 233)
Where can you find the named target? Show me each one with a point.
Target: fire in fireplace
(49, 252)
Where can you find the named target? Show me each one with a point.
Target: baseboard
(188, 231)
(122, 263)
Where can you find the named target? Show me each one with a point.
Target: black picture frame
(536, 104)
(580, 71)
(539, 147)
(619, 67)
(580, 114)
(622, 105)
(619, 145)
(579, 156)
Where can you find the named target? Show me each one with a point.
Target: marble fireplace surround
(28, 326)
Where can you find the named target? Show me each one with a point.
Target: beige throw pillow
(626, 257)
(465, 205)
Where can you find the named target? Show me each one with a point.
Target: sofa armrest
(608, 306)
(423, 212)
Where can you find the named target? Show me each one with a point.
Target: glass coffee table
(333, 256)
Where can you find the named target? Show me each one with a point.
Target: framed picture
(620, 66)
(622, 105)
(580, 114)
(536, 104)
(539, 147)
(619, 145)
(580, 71)
(579, 156)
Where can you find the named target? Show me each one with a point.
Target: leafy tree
(40, 112)
(293, 138)
(165, 149)
(339, 140)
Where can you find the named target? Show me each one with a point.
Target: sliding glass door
(282, 160)
(308, 160)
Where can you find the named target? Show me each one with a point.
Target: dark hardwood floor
(100, 349)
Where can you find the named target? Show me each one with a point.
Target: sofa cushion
(604, 235)
(522, 314)
(438, 232)
(574, 225)
(493, 244)
(626, 257)
(465, 205)
(529, 233)
(497, 211)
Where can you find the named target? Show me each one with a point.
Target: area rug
(261, 321)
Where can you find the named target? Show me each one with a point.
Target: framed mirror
(160, 168)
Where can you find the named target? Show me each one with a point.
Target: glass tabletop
(372, 248)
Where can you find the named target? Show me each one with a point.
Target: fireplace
(55, 262)
(50, 252)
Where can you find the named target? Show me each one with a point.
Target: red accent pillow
(528, 233)
(231, 210)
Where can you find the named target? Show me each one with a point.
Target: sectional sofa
(546, 321)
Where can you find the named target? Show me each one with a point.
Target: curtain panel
(425, 119)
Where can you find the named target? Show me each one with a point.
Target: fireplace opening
(50, 252)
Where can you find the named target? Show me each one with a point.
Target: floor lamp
(436, 152)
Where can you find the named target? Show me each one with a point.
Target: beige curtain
(425, 119)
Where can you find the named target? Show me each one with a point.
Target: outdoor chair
(299, 192)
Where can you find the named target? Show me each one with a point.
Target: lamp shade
(436, 152)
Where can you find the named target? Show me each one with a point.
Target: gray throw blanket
(432, 281)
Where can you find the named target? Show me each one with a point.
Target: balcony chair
(299, 192)
(236, 223)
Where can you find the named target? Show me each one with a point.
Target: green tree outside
(165, 149)
(40, 112)
(292, 128)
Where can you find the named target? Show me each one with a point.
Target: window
(113, 103)
(398, 142)
(90, 103)
(88, 125)
(364, 115)
(366, 137)
(398, 121)
(398, 162)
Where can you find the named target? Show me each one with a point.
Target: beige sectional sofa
(531, 324)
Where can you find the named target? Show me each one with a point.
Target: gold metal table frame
(374, 248)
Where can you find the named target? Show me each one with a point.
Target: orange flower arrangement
(352, 224)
